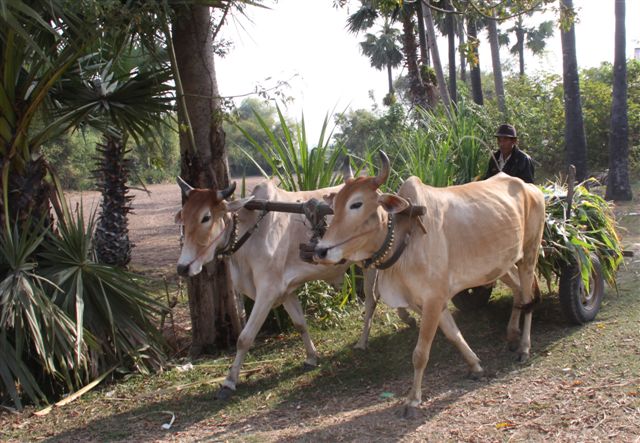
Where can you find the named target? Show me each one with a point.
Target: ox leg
(404, 315)
(512, 280)
(431, 311)
(527, 279)
(294, 309)
(261, 308)
(451, 331)
(370, 303)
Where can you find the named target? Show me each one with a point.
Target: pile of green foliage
(589, 231)
(65, 318)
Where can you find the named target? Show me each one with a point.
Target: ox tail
(528, 307)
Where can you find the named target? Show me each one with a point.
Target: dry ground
(582, 384)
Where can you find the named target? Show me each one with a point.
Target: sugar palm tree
(574, 135)
(366, 16)
(618, 187)
(383, 51)
(122, 105)
(533, 38)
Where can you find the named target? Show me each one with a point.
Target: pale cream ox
(267, 267)
(470, 235)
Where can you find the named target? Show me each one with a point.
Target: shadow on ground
(362, 390)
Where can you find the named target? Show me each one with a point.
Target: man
(509, 159)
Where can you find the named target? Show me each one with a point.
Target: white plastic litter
(167, 426)
(184, 368)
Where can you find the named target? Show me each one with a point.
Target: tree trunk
(214, 312)
(451, 36)
(520, 44)
(422, 34)
(111, 238)
(417, 90)
(463, 58)
(390, 79)
(435, 55)
(28, 193)
(476, 80)
(618, 187)
(492, 27)
(574, 135)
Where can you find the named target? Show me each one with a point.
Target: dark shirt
(519, 165)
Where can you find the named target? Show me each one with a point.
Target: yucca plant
(590, 231)
(39, 350)
(111, 303)
(64, 317)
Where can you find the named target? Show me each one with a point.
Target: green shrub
(64, 318)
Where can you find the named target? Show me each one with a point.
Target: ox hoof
(360, 347)
(523, 357)
(308, 367)
(475, 375)
(513, 346)
(224, 393)
(409, 412)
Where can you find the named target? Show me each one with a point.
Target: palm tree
(531, 37)
(574, 135)
(473, 42)
(618, 187)
(382, 50)
(41, 41)
(435, 55)
(492, 27)
(365, 17)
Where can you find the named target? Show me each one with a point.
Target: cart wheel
(578, 305)
(472, 299)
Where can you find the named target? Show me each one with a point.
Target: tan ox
(266, 268)
(470, 236)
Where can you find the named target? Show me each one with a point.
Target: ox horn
(227, 192)
(186, 188)
(347, 172)
(384, 169)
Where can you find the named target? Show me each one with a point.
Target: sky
(305, 42)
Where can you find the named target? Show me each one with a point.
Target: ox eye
(206, 218)
(355, 205)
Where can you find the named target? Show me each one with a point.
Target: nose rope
(350, 239)
(209, 245)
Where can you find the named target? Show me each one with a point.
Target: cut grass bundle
(591, 229)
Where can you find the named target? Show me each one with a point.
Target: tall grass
(298, 165)
(442, 149)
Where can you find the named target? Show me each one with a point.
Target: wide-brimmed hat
(506, 131)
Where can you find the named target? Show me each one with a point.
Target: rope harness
(234, 243)
(375, 260)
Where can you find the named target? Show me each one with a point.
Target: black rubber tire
(472, 299)
(580, 307)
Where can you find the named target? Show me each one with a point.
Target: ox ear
(392, 203)
(186, 188)
(178, 217)
(328, 198)
(235, 205)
